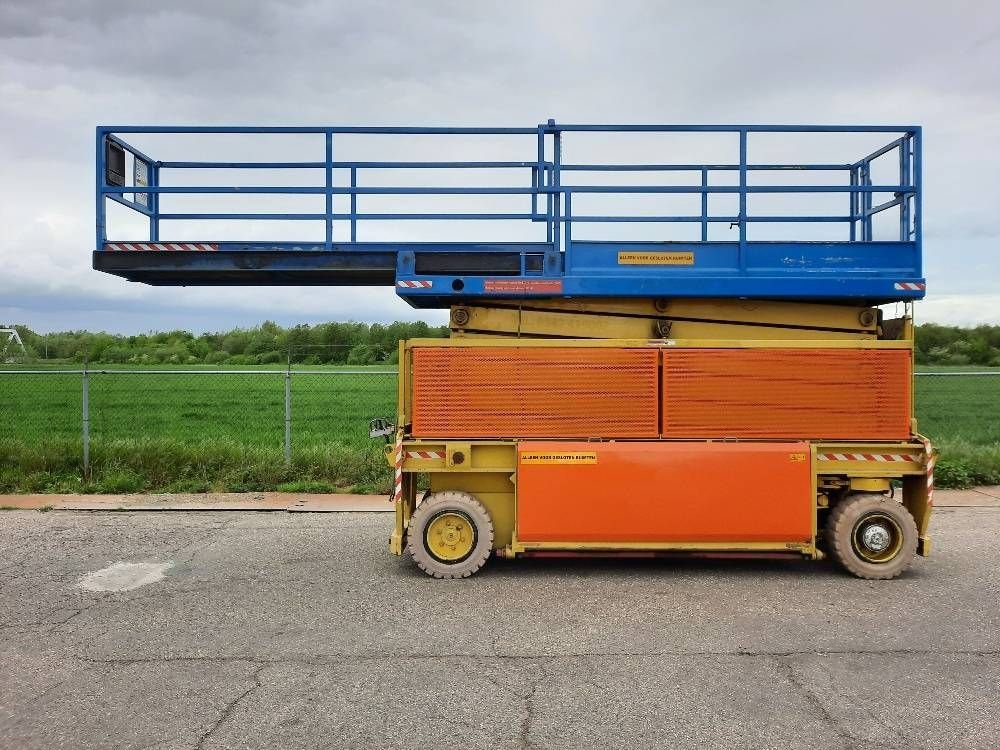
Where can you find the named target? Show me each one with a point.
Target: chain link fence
(297, 428)
(301, 424)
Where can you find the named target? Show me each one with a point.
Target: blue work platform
(855, 251)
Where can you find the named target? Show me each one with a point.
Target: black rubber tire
(430, 508)
(844, 518)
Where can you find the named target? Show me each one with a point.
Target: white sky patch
(70, 66)
(959, 310)
(123, 576)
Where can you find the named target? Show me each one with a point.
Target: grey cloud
(240, 44)
(68, 65)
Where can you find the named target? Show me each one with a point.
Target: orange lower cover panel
(664, 492)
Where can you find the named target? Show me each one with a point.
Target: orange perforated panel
(553, 392)
(861, 394)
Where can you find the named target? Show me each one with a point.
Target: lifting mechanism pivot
(671, 319)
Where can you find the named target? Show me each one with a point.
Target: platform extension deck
(592, 237)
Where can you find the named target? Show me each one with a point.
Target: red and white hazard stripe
(419, 284)
(184, 247)
(397, 491)
(877, 457)
(909, 286)
(931, 460)
(426, 455)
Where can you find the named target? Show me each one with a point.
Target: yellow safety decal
(796, 457)
(534, 457)
(655, 259)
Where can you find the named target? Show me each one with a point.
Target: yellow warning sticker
(796, 457)
(655, 259)
(535, 457)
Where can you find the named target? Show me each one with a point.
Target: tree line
(268, 343)
(951, 345)
(364, 344)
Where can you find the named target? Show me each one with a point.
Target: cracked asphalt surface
(300, 630)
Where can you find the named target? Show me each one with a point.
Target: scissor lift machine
(653, 351)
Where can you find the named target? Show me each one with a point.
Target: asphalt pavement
(298, 630)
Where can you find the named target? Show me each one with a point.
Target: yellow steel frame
(489, 472)
(872, 469)
(645, 318)
(488, 467)
(692, 343)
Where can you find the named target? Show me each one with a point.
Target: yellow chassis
(487, 468)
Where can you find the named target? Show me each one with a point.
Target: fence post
(86, 423)
(288, 417)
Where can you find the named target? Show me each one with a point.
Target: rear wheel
(871, 536)
(450, 535)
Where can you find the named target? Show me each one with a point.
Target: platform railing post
(866, 202)
(99, 208)
(556, 183)
(538, 173)
(548, 208)
(154, 204)
(534, 193)
(354, 205)
(329, 190)
(918, 198)
(743, 200)
(704, 205)
(569, 222)
(853, 205)
(904, 195)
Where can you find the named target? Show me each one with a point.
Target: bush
(187, 487)
(961, 465)
(954, 474)
(269, 358)
(363, 354)
(168, 465)
(119, 481)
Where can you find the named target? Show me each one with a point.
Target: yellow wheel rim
(450, 536)
(877, 538)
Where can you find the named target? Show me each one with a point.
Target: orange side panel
(664, 492)
(506, 392)
(787, 393)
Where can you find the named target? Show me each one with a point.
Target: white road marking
(123, 576)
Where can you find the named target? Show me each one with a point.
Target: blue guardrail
(875, 256)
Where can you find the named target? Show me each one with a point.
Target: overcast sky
(68, 65)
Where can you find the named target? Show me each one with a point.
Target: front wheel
(450, 535)
(871, 536)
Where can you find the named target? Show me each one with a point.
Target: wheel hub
(875, 537)
(450, 536)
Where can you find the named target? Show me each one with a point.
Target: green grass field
(243, 408)
(189, 432)
(961, 416)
